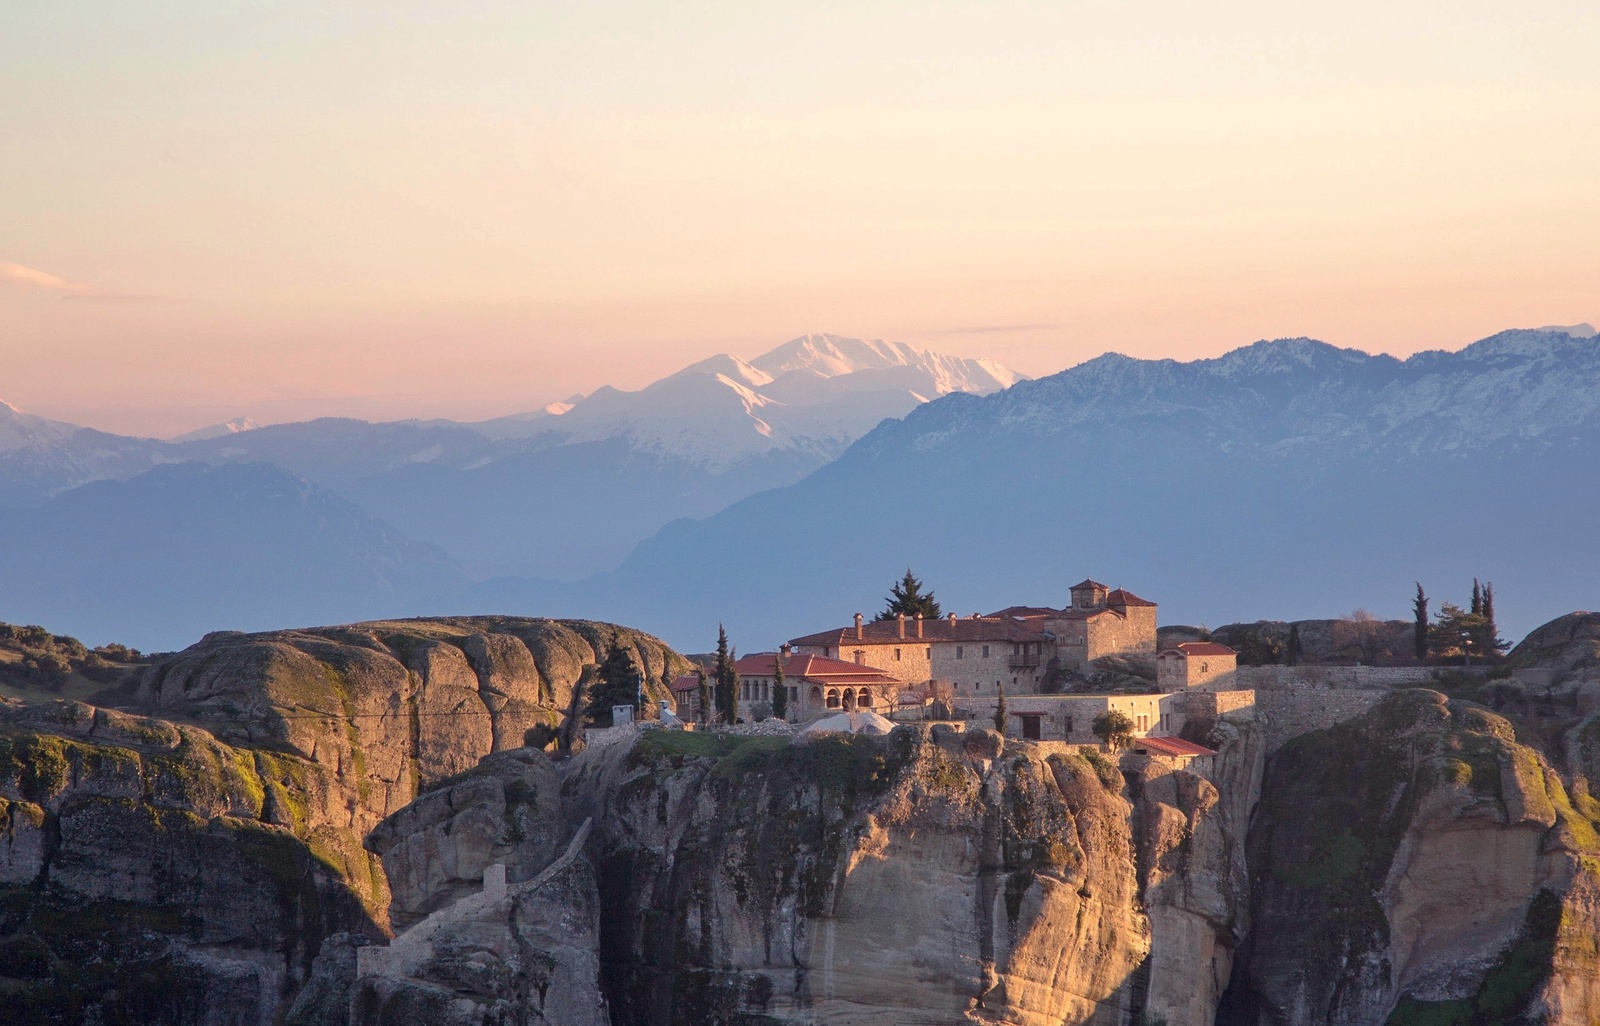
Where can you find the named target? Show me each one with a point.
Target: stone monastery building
(1018, 646)
(816, 685)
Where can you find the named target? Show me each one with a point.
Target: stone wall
(1118, 634)
(1274, 678)
(972, 673)
(1288, 713)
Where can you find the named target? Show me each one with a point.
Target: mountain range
(400, 515)
(1282, 480)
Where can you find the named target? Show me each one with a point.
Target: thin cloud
(32, 278)
(993, 329)
(27, 276)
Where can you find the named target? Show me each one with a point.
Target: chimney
(902, 625)
(919, 625)
(786, 650)
(858, 626)
(952, 619)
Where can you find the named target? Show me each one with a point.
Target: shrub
(1114, 729)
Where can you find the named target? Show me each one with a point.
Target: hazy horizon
(418, 211)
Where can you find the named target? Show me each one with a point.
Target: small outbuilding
(1195, 664)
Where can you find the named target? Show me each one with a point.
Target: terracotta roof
(1172, 746)
(688, 682)
(1126, 598)
(888, 632)
(1088, 582)
(1201, 648)
(1025, 612)
(813, 668)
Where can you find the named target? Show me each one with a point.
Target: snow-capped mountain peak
(815, 394)
(237, 425)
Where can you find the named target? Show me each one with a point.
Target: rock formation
(182, 859)
(512, 925)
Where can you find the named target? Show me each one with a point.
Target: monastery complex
(1025, 652)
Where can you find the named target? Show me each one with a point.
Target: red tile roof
(1172, 746)
(1126, 598)
(688, 682)
(1024, 612)
(1088, 582)
(888, 633)
(1201, 648)
(813, 668)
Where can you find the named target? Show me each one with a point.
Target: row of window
(760, 691)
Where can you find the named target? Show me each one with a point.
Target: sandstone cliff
(182, 861)
(1417, 864)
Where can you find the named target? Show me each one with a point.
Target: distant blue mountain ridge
(1285, 479)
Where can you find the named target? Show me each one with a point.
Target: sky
(288, 210)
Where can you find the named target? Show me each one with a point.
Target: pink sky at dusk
(405, 210)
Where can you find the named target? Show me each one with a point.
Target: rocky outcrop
(928, 877)
(511, 933)
(1569, 646)
(1347, 640)
(150, 873)
(1415, 863)
(185, 856)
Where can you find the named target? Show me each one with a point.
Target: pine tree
(1000, 711)
(727, 680)
(907, 597)
(1292, 656)
(1456, 630)
(620, 683)
(780, 690)
(1419, 609)
(1477, 598)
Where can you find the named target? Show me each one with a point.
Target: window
(794, 694)
(959, 653)
(1205, 667)
(986, 651)
(897, 655)
(864, 699)
(929, 653)
(833, 698)
(1144, 722)
(1069, 726)
(744, 690)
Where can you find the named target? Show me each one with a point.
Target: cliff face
(150, 873)
(1417, 864)
(935, 878)
(185, 866)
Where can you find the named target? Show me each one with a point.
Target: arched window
(833, 698)
(849, 698)
(864, 699)
(815, 697)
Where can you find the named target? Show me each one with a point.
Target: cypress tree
(1419, 608)
(705, 696)
(727, 686)
(1292, 655)
(1477, 599)
(1000, 711)
(620, 683)
(1492, 644)
(780, 690)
